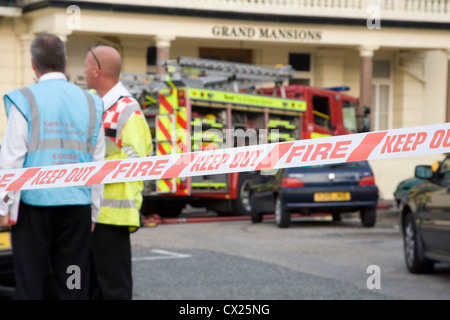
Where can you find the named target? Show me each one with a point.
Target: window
(381, 69)
(381, 95)
(380, 106)
(233, 55)
(349, 114)
(321, 111)
(300, 61)
(151, 56)
(302, 64)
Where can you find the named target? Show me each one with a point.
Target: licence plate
(5, 241)
(331, 196)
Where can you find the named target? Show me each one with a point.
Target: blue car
(333, 189)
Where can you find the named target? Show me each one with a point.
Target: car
(425, 219)
(403, 187)
(332, 188)
(6, 260)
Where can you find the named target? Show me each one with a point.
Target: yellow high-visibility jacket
(126, 126)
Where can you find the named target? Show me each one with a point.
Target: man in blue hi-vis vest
(51, 122)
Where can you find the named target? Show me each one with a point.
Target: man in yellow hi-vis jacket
(127, 136)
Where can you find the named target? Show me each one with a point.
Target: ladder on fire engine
(202, 73)
(226, 75)
(205, 74)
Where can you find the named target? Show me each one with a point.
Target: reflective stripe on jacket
(126, 125)
(63, 126)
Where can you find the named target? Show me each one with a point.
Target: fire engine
(203, 104)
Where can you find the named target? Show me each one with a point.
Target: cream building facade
(393, 54)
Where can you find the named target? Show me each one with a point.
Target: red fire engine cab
(329, 111)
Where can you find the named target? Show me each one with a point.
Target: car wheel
(282, 217)
(255, 215)
(411, 248)
(368, 217)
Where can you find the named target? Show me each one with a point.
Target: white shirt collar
(52, 76)
(111, 97)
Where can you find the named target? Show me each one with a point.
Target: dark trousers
(51, 252)
(111, 277)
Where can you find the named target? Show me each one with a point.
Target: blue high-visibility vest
(63, 126)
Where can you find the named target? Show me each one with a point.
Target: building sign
(266, 33)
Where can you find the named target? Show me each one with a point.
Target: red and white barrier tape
(406, 142)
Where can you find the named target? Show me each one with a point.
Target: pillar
(162, 51)
(447, 116)
(366, 54)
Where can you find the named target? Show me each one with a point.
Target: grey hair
(48, 53)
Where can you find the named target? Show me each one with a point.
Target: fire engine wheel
(255, 214)
(164, 209)
(171, 209)
(242, 206)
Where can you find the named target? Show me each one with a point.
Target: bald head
(110, 61)
(103, 65)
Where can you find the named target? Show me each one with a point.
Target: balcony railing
(9, 9)
(411, 10)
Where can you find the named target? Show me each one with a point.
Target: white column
(366, 54)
